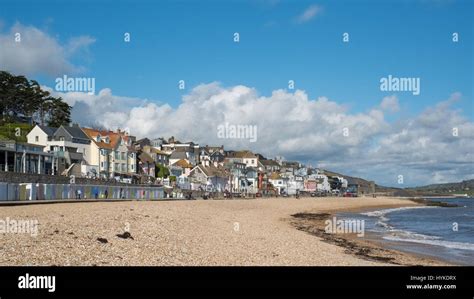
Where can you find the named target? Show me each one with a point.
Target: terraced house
(113, 154)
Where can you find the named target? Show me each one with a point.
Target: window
(36, 138)
(123, 156)
(61, 138)
(117, 166)
(102, 164)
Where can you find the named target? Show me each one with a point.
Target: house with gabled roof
(68, 144)
(177, 155)
(245, 156)
(180, 168)
(113, 153)
(209, 178)
(40, 135)
(190, 148)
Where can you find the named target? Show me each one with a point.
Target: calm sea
(443, 233)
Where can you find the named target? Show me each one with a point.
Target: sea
(444, 233)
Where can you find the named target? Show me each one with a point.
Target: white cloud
(390, 103)
(309, 13)
(39, 52)
(423, 148)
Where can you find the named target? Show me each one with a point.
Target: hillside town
(181, 168)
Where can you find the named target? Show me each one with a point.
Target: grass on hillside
(14, 131)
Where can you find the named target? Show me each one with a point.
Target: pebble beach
(243, 232)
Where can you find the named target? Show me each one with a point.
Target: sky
(336, 84)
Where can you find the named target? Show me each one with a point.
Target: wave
(383, 218)
(382, 213)
(429, 240)
(393, 234)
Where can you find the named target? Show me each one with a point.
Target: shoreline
(368, 247)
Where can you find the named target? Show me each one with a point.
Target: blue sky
(336, 84)
(192, 40)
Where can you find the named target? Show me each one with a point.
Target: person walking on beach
(106, 194)
(79, 193)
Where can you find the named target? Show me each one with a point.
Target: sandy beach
(193, 233)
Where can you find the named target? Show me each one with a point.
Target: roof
(211, 171)
(291, 163)
(182, 163)
(144, 157)
(48, 130)
(157, 151)
(178, 155)
(143, 141)
(92, 134)
(241, 154)
(217, 154)
(76, 132)
(269, 163)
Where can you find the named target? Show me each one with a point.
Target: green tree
(161, 171)
(22, 97)
(59, 112)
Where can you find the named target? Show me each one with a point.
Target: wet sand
(194, 233)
